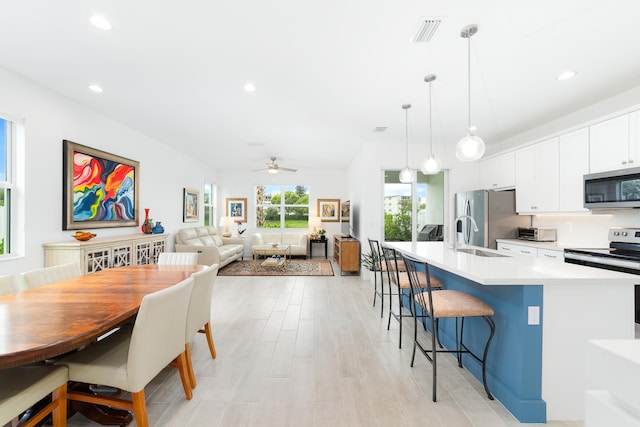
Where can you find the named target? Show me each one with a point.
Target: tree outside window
(282, 206)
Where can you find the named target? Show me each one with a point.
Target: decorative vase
(147, 225)
(158, 228)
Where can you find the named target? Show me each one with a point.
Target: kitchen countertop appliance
(537, 234)
(623, 254)
(494, 213)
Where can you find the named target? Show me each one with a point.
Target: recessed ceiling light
(249, 87)
(96, 88)
(100, 22)
(566, 75)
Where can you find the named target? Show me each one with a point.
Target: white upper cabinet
(610, 145)
(498, 172)
(574, 164)
(537, 178)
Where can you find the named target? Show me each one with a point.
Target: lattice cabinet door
(97, 260)
(122, 255)
(158, 246)
(144, 253)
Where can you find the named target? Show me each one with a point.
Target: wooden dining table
(45, 322)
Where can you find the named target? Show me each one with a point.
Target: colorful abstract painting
(100, 188)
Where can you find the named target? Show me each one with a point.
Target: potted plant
(321, 233)
(368, 262)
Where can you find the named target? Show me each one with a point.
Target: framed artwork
(329, 210)
(99, 189)
(190, 212)
(345, 211)
(237, 209)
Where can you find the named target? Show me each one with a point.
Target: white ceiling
(327, 72)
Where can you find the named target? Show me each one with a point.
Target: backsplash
(588, 230)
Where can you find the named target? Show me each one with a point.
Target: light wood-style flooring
(312, 351)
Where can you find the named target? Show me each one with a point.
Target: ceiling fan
(273, 167)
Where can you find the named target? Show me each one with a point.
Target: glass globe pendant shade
(406, 176)
(431, 165)
(470, 148)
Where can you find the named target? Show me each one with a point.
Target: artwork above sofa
(297, 240)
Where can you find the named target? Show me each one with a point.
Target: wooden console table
(346, 253)
(102, 253)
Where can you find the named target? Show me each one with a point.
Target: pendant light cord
(406, 136)
(469, 75)
(430, 124)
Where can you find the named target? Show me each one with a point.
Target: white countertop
(510, 270)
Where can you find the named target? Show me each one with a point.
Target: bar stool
(380, 267)
(396, 271)
(447, 304)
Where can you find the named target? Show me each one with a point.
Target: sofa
(211, 247)
(298, 241)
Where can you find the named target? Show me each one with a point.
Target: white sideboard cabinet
(102, 253)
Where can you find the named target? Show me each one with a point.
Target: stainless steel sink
(480, 252)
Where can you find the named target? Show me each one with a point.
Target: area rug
(295, 267)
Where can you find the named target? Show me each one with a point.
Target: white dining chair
(21, 388)
(178, 258)
(130, 358)
(44, 276)
(9, 284)
(199, 314)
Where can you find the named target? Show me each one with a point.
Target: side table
(320, 241)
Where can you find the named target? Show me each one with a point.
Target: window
(282, 206)
(209, 204)
(413, 211)
(6, 185)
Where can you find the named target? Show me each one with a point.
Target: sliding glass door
(415, 211)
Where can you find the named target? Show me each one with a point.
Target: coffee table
(280, 259)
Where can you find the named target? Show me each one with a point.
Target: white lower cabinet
(518, 249)
(556, 254)
(530, 251)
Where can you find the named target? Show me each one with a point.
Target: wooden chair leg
(59, 413)
(207, 332)
(192, 375)
(140, 408)
(184, 375)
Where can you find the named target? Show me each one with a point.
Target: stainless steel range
(623, 254)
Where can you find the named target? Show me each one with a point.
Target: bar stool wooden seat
(447, 304)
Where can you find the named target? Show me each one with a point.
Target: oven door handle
(595, 259)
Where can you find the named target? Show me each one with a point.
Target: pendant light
(431, 165)
(471, 147)
(406, 174)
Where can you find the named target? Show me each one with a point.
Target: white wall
(50, 118)
(323, 184)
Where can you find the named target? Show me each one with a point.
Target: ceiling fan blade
(287, 169)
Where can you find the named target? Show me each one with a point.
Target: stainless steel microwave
(612, 189)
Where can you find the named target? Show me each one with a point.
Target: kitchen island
(545, 314)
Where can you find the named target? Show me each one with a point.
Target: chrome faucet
(455, 226)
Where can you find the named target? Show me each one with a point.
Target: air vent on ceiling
(379, 128)
(426, 29)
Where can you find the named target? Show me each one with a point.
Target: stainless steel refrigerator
(494, 213)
